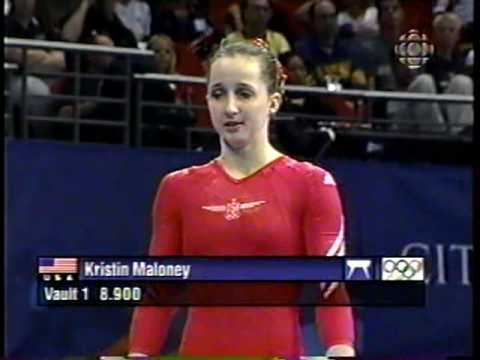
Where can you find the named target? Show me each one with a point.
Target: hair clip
(261, 43)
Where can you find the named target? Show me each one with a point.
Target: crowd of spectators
(342, 44)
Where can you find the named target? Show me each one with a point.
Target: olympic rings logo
(402, 269)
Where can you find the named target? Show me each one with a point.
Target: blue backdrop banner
(95, 200)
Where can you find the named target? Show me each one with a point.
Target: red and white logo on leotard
(233, 209)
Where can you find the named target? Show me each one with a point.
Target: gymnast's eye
(216, 93)
(244, 94)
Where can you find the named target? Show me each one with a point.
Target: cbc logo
(403, 268)
(413, 49)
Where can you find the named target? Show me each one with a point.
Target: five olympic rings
(407, 269)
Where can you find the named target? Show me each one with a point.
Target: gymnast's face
(238, 100)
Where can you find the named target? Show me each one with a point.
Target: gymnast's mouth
(233, 123)
(233, 126)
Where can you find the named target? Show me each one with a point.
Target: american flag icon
(57, 265)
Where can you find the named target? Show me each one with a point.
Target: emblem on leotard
(233, 209)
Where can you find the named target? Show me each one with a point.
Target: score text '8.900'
(70, 295)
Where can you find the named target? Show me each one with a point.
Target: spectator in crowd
(135, 16)
(99, 64)
(295, 135)
(281, 19)
(447, 60)
(233, 19)
(358, 19)
(299, 73)
(165, 58)
(204, 34)
(165, 126)
(379, 58)
(445, 71)
(185, 22)
(464, 9)
(391, 14)
(96, 63)
(297, 70)
(301, 136)
(21, 23)
(256, 15)
(391, 75)
(334, 59)
(199, 21)
(165, 20)
(94, 17)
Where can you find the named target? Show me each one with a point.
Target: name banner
(234, 268)
(230, 281)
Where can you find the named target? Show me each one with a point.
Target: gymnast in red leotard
(271, 205)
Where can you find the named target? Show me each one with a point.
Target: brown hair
(162, 37)
(272, 70)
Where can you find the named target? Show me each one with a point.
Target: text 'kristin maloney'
(135, 269)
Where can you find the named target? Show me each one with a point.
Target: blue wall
(65, 199)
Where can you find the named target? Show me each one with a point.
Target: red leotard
(287, 208)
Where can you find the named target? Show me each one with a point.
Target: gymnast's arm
(150, 324)
(324, 234)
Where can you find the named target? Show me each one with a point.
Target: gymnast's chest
(242, 220)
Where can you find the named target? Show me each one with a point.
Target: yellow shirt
(277, 42)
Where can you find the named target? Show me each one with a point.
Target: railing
(353, 126)
(77, 50)
(362, 124)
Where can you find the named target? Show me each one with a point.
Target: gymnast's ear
(275, 102)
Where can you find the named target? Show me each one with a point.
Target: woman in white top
(136, 16)
(463, 8)
(360, 17)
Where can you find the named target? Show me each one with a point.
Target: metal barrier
(365, 124)
(141, 103)
(77, 50)
(364, 127)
